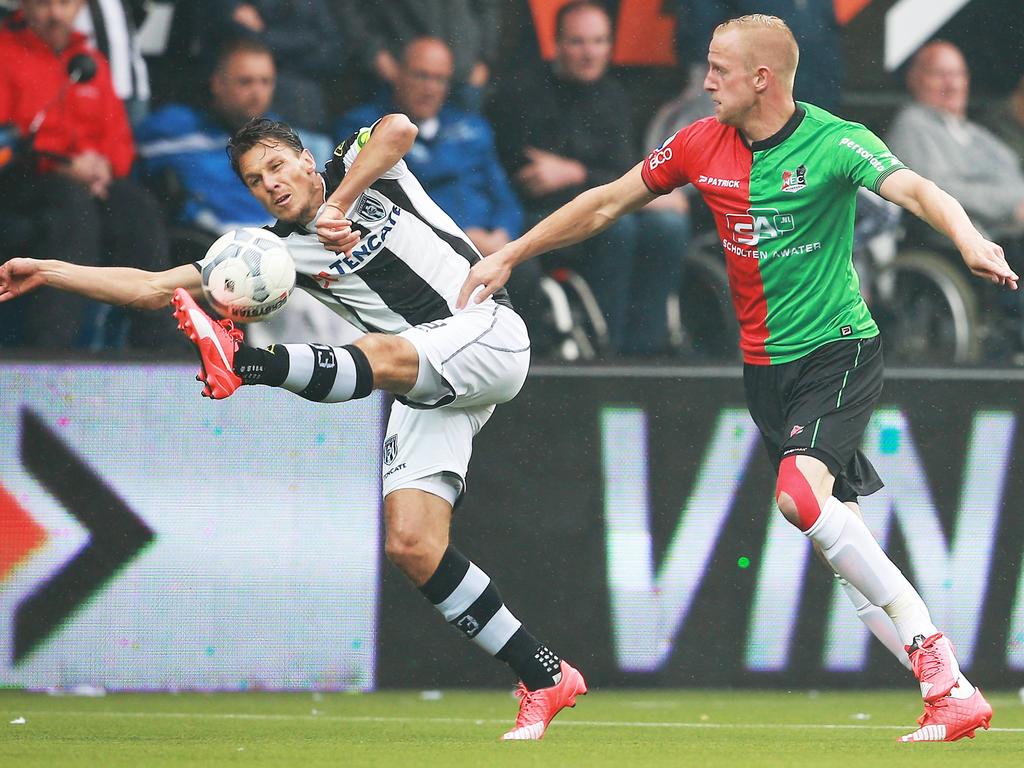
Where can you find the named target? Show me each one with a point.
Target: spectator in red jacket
(73, 184)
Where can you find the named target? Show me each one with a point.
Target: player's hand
(335, 231)
(18, 277)
(488, 275)
(987, 260)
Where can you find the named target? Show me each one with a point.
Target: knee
(393, 360)
(412, 550)
(794, 496)
(404, 547)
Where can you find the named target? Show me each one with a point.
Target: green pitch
(733, 729)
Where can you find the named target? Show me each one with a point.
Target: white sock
(320, 372)
(877, 621)
(910, 615)
(851, 550)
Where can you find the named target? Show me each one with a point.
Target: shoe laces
(532, 708)
(929, 662)
(235, 334)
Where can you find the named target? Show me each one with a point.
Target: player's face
(52, 20)
(942, 82)
(422, 84)
(729, 82)
(243, 86)
(283, 180)
(583, 50)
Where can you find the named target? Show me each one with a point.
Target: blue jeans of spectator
(633, 267)
(662, 240)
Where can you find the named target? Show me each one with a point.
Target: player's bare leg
(314, 371)
(804, 495)
(416, 541)
(417, 517)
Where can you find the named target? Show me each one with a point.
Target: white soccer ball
(248, 275)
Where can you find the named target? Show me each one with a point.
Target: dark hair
(241, 44)
(571, 7)
(260, 130)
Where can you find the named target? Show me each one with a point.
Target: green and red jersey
(784, 208)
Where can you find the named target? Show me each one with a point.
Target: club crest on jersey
(794, 181)
(391, 449)
(370, 210)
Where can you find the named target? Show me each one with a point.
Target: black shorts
(819, 406)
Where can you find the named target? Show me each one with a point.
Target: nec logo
(711, 181)
(758, 224)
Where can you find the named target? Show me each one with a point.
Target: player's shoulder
(706, 126)
(820, 119)
(705, 133)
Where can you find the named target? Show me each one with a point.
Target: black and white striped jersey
(409, 265)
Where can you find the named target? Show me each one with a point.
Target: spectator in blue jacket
(454, 156)
(190, 142)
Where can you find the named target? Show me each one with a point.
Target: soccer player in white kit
(370, 244)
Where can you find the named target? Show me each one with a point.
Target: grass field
(618, 728)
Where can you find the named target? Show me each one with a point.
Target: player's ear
(307, 161)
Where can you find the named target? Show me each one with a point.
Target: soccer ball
(248, 275)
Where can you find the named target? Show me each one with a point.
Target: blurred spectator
(1006, 120)
(454, 155)
(305, 43)
(455, 160)
(112, 27)
(565, 127)
(380, 29)
(819, 78)
(73, 186)
(932, 135)
(182, 148)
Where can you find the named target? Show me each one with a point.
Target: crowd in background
(126, 166)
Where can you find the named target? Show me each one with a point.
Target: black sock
(470, 602)
(262, 366)
(317, 372)
(533, 661)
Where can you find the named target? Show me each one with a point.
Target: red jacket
(89, 116)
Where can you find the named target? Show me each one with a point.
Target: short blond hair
(782, 57)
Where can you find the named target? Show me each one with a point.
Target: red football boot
(216, 342)
(950, 719)
(934, 666)
(537, 708)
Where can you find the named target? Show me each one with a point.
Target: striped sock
(314, 371)
(469, 601)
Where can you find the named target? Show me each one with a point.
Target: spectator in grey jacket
(933, 136)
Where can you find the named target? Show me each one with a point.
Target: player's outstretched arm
(123, 286)
(392, 136)
(942, 212)
(588, 214)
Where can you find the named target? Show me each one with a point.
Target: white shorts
(468, 363)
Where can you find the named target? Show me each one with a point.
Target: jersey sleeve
(664, 168)
(862, 158)
(346, 153)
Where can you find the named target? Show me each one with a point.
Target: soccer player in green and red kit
(781, 178)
